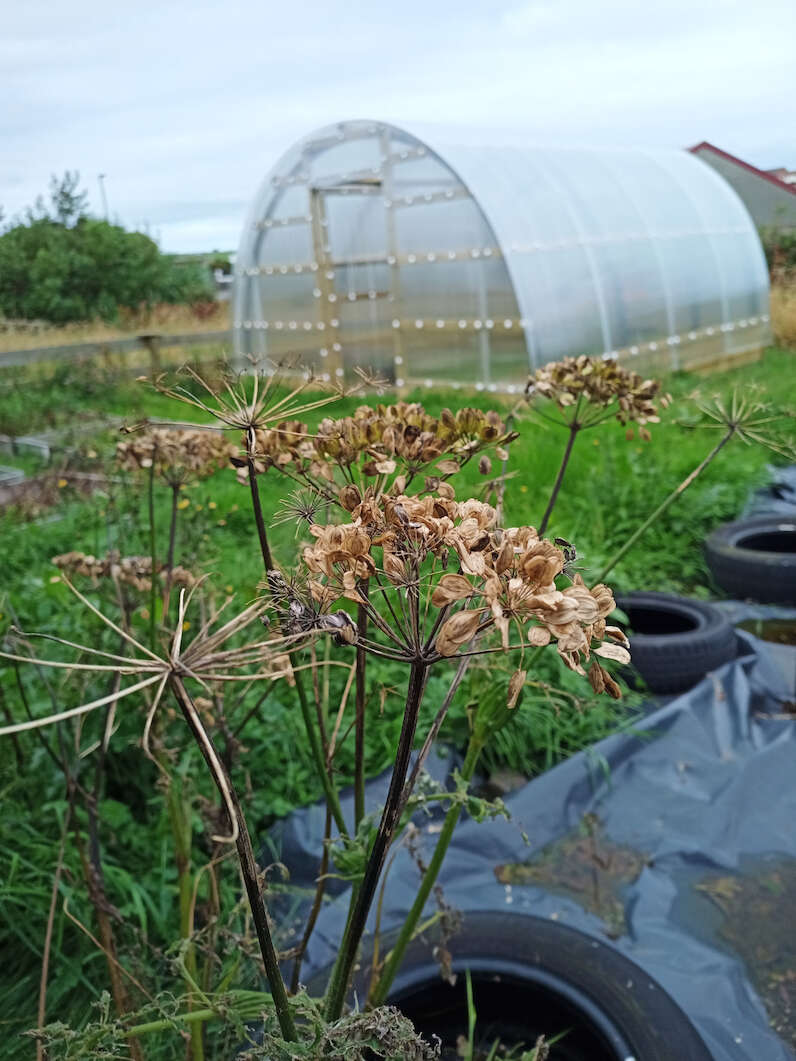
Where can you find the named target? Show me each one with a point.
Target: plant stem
(153, 554)
(320, 888)
(574, 427)
(429, 879)
(390, 817)
(247, 1009)
(248, 866)
(359, 732)
(332, 798)
(634, 537)
(175, 496)
(262, 535)
(180, 817)
(48, 935)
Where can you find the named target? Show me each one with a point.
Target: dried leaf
(515, 688)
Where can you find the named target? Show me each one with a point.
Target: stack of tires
(675, 642)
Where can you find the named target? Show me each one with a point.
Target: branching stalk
(320, 888)
(359, 731)
(349, 946)
(153, 553)
(262, 534)
(248, 864)
(659, 511)
(574, 427)
(175, 497)
(379, 994)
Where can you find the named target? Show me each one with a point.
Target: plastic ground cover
(676, 844)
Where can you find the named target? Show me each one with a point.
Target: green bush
(60, 265)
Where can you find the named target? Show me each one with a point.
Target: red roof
(704, 145)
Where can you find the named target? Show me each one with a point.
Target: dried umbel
(387, 446)
(451, 558)
(589, 390)
(177, 455)
(135, 571)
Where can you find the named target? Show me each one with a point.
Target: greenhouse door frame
(328, 263)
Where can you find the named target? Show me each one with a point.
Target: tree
(60, 265)
(69, 204)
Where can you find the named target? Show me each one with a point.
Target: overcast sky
(184, 106)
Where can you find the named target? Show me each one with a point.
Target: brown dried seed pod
(457, 631)
(449, 589)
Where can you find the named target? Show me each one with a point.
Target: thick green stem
(338, 985)
(153, 591)
(332, 798)
(574, 427)
(248, 1005)
(383, 984)
(659, 511)
(246, 859)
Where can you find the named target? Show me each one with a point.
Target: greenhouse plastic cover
(699, 805)
(554, 251)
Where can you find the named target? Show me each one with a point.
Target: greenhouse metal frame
(460, 265)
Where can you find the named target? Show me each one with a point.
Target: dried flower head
(254, 399)
(503, 580)
(177, 454)
(135, 571)
(589, 390)
(386, 447)
(747, 416)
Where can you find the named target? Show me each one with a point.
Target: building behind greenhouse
(462, 265)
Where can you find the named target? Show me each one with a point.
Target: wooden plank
(72, 351)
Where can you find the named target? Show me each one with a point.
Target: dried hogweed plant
(252, 402)
(409, 574)
(176, 457)
(745, 416)
(586, 392)
(386, 449)
(434, 576)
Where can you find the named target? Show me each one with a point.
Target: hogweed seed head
(592, 390)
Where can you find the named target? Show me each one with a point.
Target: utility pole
(101, 179)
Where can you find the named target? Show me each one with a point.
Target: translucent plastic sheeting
(434, 261)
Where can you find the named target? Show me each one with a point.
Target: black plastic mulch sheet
(676, 844)
(778, 498)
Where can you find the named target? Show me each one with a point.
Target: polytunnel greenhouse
(467, 265)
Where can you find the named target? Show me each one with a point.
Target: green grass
(610, 486)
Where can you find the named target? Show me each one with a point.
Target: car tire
(755, 559)
(530, 976)
(674, 641)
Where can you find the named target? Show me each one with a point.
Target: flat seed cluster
(177, 454)
(600, 384)
(505, 579)
(135, 571)
(382, 440)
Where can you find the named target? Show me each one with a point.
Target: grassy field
(611, 485)
(161, 319)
